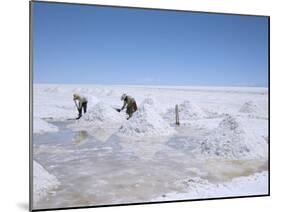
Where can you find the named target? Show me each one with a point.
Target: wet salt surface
(116, 170)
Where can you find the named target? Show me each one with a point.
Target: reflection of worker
(131, 105)
(82, 104)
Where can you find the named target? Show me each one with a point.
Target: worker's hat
(123, 96)
(75, 95)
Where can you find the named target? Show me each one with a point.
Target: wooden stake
(177, 115)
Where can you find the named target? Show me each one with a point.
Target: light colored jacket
(81, 99)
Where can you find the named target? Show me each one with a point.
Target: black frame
(138, 203)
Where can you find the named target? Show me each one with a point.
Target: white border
(14, 105)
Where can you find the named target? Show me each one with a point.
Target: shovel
(77, 108)
(117, 109)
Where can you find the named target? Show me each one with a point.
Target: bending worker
(130, 103)
(82, 104)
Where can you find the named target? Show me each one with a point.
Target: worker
(82, 104)
(130, 103)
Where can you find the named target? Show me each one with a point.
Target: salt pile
(146, 122)
(100, 115)
(52, 90)
(229, 140)
(149, 101)
(187, 110)
(196, 187)
(248, 107)
(229, 123)
(92, 100)
(43, 182)
(160, 108)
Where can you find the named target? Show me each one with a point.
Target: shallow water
(100, 168)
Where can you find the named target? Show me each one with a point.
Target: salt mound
(102, 113)
(198, 188)
(52, 89)
(229, 123)
(43, 182)
(248, 107)
(187, 110)
(152, 102)
(92, 100)
(146, 122)
(229, 140)
(148, 101)
(82, 90)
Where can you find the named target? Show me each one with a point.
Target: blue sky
(105, 45)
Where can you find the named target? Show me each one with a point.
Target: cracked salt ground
(95, 172)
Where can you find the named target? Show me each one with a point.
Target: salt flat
(103, 158)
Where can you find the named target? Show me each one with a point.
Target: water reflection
(102, 134)
(122, 170)
(80, 137)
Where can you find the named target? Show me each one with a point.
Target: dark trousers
(131, 109)
(84, 107)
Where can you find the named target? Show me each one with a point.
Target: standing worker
(82, 104)
(130, 103)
